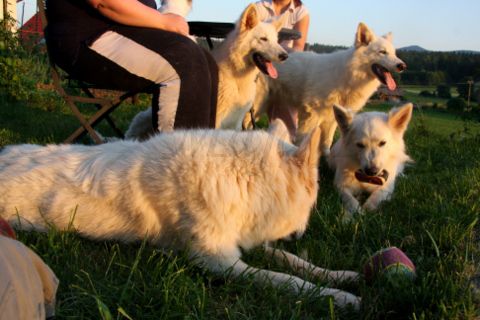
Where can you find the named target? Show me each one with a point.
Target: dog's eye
(382, 143)
(264, 39)
(383, 51)
(360, 145)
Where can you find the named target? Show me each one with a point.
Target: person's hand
(175, 23)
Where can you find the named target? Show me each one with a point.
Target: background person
(299, 19)
(129, 45)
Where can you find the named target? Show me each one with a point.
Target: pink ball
(389, 262)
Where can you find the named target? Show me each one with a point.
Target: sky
(439, 25)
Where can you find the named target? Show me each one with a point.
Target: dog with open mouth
(250, 49)
(309, 84)
(369, 155)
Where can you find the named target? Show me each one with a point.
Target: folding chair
(82, 94)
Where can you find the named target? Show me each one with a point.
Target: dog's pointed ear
(399, 118)
(249, 18)
(389, 37)
(364, 35)
(278, 129)
(344, 118)
(308, 153)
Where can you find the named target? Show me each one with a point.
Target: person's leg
(182, 76)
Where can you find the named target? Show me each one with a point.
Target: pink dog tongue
(390, 82)
(272, 72)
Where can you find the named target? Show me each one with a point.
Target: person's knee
(192, 60)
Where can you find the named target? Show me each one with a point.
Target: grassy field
(433, 217)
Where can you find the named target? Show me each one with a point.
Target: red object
(6, 230)
(32, 30)
(384, 260)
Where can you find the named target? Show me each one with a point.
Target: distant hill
(420, 49)
(413, 48)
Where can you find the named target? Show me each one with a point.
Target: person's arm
(134, 13)
(301, 26)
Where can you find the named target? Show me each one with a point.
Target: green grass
(433, 217)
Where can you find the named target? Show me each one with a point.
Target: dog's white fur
(312, 83)
(179, 7)
(211, 192)
(369, 140)
(237, 72)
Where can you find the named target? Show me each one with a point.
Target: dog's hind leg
(237, 268)
(328, 132)
(304, 267)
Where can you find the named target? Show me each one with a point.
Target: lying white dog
(369, 155)
(210, 191)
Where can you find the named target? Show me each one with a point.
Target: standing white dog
(247, 51)
(310, 83)
(210, 191)
(369, 155)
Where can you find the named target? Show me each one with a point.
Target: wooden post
(9, 14)
(470, 83)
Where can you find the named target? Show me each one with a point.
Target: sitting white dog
(369, 155)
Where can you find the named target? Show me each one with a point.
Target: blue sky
(432, 24)
(440, 25)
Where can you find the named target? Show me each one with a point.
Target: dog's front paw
(343, 299)
(350, 210)
(371, 204)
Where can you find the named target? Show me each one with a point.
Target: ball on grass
(389, 263)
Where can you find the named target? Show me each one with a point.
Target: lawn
(433, 217)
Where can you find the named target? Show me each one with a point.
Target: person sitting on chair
(130, 46)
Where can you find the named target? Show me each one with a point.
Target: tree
(464, 88)
(443, 91)
(457, 105)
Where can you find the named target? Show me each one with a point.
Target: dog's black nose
(372, 171)
(401, 67)
(283, 56)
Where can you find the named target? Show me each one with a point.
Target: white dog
(247, 51)
(310, 84)
(369, 155)
(211, 192)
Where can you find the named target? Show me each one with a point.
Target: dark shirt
(73, 24)
(77, 17)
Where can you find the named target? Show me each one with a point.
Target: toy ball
(6, 230)
(390, 263)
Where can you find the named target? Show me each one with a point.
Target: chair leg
(86, 125)
(107, 117)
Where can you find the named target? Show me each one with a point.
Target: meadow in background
(433, 217)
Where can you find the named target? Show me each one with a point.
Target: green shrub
(21, 69)
(457, 105)
(426, 93)
(443, 91)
